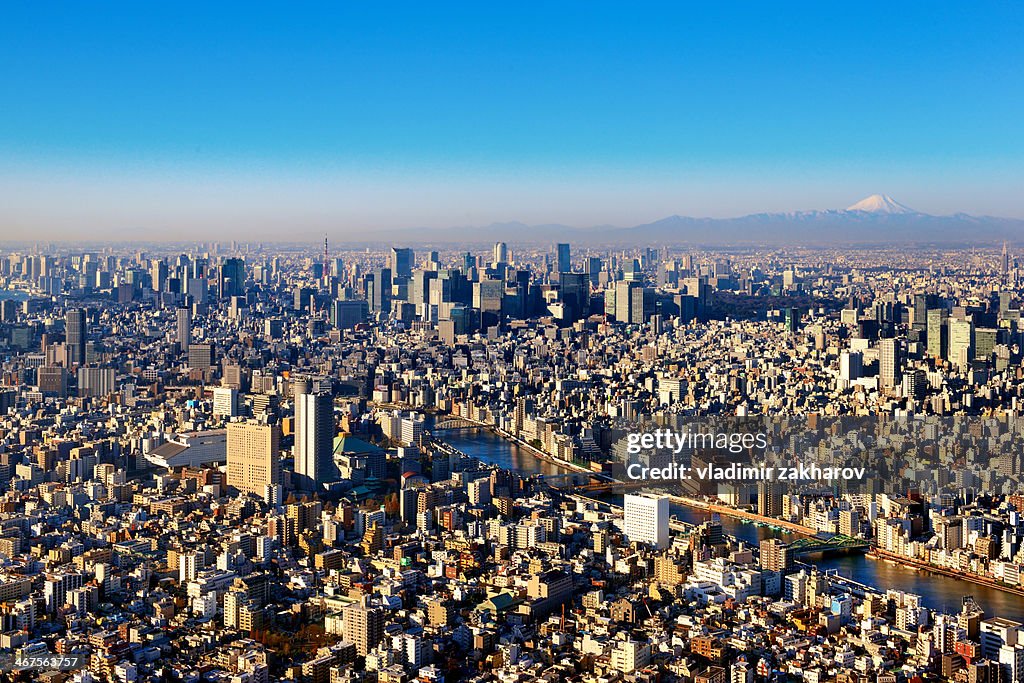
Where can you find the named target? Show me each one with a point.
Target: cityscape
(251, 462)
(447, 342)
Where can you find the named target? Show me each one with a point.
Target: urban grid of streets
(228, 463)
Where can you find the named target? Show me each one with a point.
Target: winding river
(938, 592)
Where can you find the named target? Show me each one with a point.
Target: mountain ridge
(875, 219)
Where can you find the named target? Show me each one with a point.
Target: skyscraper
(961, 340)
(646, 519)
(378, 290)
(314, 441)
(888, 363)
(253, 462)
(232, 277)
(401, 261)
(937, 333)
(563, 259)
(184, 319)
(74, 323)
(500, 252)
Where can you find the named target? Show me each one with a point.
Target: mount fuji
(875, 220)
(880, 203)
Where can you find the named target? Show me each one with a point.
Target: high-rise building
(201, 356)
(961, 341)
(346, 314)
(645, 519)
(937, 333)
(74, 324)
(888, 363)
(563, 259)
(634, 303)
(574, 291)
(378, 290)
(362, 625)
(400, 261)
(314, 441)
(500, 252)
(769, 498)
(232, 277)
(225, 402)
(253, 462)
(851, 364)
(776, 556)
(184, 320)
(95, 381)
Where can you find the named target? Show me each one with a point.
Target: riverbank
(938, 591)
(878, 554)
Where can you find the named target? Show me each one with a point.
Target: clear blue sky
(251, 120)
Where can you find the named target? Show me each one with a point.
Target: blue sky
(255, 120)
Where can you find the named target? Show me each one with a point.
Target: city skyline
(255, 123)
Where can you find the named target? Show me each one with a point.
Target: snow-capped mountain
(880, 203)
(878, 219)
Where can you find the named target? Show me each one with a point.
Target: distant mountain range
(877, 219)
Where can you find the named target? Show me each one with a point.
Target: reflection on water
(938, 592)
(489, 447)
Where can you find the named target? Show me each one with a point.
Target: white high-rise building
(314, 441)
(646, 519)
(225, 402)
(851, 365)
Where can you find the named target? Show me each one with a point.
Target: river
(15, 294)
(938, 592)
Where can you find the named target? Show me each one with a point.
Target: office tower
(593, 270)
(252, 456)
(851, 364)
(400, 261)
(225, 402)
(634, 303)
(302, 298)
(378, 290)
(574, 291)
(95, 381)
(500, 253)
(937, 333)
(961, 341)
(487, 298)
(792, 319)
(645, 519)
(52, 380)
(563, 260)
(984, 342)
(346, 314)
(362, 625)
(314, 441)
(158, 274)
(1004, 268)
(201, 356)
(888, 363)
(232, 277)
(184, 320)
(74, 323)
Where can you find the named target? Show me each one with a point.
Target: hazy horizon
(235, 122)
